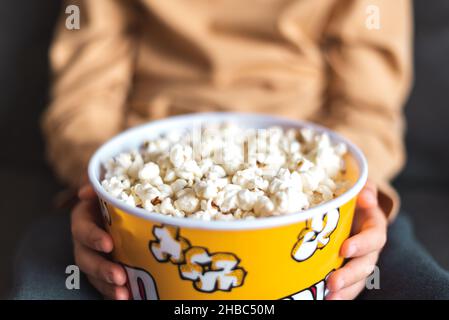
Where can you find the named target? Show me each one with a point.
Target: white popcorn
(147, 192)
(221, 183)
(126, 198)
(250, 179)
(158, 146)
(224, 217)
(148, 205)
(205, 189)
(189, 170)
(229, 202)
(166, 207)
(290, 201)
(205, 165)
(149, 171)
(312, 178)
(170, 175)
(165, 190)
(136, 164)
(326, 192)
(247, 199)
(201, 215)
(116, 185)
(187, 201)
(264, 206)
(156, 181)
(180, 154)
(216, 172)
(282, 172)
(178, 185)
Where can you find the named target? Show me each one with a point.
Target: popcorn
(229, 202)
(126, 198)
(229, 173)
(205, 189)
(149, 171)
(178, 185)
(250, 179)
(216, 172)
(290, 201)
(147, 192)
(180, 154)
(116, 185)
(246, 199)
(201, 215)
(188, 170)
(170, 175)
(136, 164)
(166, 207)
(312, 178)
(264, 207)
(187, 201)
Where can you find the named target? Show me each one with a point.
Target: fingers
(85, 229)
(348, 293)
(110, 291)
(370, 226)
(107, 277)
(371, 237)
(96, 266)
(368, 196)
(87, 192)
(355, 270)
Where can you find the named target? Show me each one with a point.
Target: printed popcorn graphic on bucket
(169, 245)
(209, 272)
(316, 235)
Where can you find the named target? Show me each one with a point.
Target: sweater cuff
(389, 200)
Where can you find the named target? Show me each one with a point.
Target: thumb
(367, 198)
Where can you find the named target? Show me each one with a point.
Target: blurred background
(27, 187)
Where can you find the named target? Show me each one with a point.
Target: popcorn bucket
(282, 257)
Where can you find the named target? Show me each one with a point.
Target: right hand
(91, 243)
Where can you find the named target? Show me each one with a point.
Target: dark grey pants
(407, 271)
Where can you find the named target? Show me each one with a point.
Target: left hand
(363, 247)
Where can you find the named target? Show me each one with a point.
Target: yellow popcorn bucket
(281, 257)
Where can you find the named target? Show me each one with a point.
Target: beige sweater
(134, 61)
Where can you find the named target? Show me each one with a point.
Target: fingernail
(98, 245)
(121, 295)
(121, 279)
(110, 278)
(352, 249)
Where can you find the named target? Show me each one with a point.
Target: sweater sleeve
(369, 53)
(92, 73)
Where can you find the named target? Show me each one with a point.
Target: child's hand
(90, 243)
(370, 234)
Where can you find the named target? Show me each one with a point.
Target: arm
(370, 75)
(369, 79)
(92, 73)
